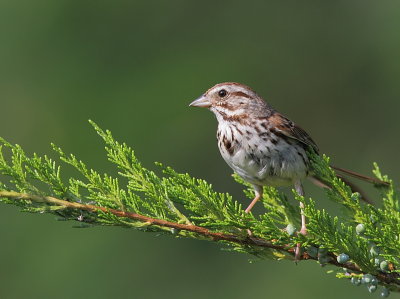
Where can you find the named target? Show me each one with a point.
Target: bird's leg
(258, 191)
(300, 191)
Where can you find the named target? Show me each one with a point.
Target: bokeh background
(133, 67)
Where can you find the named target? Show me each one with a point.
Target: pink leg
(258, 190)
(299, 189)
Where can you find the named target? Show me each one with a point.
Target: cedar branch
(388, 278)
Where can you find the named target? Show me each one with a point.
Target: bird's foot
(303, 230)
(297, 251)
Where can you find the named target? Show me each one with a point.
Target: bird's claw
(303, 231)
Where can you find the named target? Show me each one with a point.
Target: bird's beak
(201, 102)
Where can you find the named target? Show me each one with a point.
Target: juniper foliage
(373, 249)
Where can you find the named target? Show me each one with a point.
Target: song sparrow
(260, 144)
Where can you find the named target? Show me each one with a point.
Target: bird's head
(231, 99)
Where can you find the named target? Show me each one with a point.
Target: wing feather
(291, 130)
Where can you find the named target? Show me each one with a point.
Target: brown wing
(290, 129)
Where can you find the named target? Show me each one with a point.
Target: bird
(261, 145)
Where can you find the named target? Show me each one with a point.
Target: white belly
(262, 162)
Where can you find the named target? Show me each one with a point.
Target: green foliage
(382, 224)
(181, 199)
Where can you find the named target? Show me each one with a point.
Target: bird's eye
(222, 93)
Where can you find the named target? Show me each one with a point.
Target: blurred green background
(133, 67)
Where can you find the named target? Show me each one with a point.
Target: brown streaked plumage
(258, 143)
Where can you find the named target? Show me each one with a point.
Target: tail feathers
(360, 176)
(353, 187)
